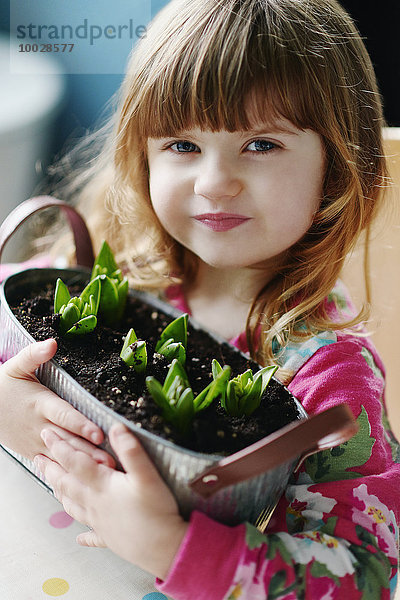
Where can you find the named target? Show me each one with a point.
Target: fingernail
(44, 347)
(92, 434)
(119, 429)
(96, 437)
(48, 436)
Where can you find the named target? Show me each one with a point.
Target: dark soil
(93, 360)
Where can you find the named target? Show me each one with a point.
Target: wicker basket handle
(83, 243)
(327, 429)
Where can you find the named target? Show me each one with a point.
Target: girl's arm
(27, 407)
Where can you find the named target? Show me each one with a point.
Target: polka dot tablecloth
(40, 559)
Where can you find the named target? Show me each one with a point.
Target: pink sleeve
(334, 533)
(209, 576)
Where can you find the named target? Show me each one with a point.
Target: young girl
(245, 160)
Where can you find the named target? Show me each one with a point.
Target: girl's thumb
(131, 454)
(30, 358)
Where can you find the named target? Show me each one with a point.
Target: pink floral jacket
(335, 531)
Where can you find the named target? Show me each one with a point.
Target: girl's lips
(221, 221)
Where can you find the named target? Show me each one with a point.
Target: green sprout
(173, 340)
(176, 398)
(77, 314)
(134, 352)
(243, 393)
(114, 287)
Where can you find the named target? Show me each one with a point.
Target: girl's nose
(217, 181)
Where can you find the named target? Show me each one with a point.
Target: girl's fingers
(24, 364)
(75, 510)
(64, 487)
(91, 539)
(78, 463)
(133, 457)
(98, 455)
(63, 415)
(50, 406)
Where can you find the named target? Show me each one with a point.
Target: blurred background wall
(378, 23)
(41, 113)
(86, 95)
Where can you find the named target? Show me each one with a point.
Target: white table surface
(40, 559)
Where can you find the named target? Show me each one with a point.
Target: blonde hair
(197, 66)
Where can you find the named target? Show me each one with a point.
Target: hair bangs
(227, 74)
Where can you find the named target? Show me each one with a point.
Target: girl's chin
(232, 257)
(225, 262)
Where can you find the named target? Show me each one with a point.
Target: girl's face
(237, 199)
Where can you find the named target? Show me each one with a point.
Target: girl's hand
(132, 513)
(26, 407)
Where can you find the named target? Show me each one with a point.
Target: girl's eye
(260, 146)
(184, 146)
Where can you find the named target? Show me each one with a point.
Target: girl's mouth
(221, 221)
